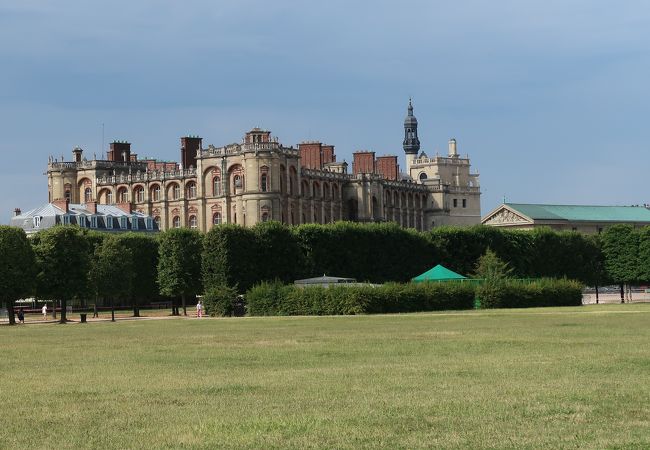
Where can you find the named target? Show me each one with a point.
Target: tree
(229, 257)
(490, 267)
(62, 263)
(112, 268)
(620, 246)
(143, 251)
(16, 267)
(179, 263)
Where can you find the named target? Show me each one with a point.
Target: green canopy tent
(438, 273)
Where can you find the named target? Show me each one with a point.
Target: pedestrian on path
(44, 310)
(199, 309)
(95, 312)
(21, 316)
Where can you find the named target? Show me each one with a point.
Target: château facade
(259, 179)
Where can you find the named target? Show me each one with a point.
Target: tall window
(176, 192)
(122, 195)
(191, 190)
(216, 218)
(464, 203)
(216, 186)
(194, 223)
(68, 196)
(155, 193)
(176, 222)
(124, 222)
(265, 217)
(455, 203)
(109, 197)
(264, 182)
(237, 180)
(109, 222)
(88, 195)
(139, 194)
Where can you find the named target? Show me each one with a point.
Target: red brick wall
(387, 167)
(311, 155)
(328, 154)
(117, 149)
(363, 162)
(189, 147)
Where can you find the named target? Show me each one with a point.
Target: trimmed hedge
(520, 294)
(268, 299)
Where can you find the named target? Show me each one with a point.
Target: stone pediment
(505, 216)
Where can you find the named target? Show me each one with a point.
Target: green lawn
(538, 378)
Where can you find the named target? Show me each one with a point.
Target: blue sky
(550, 99)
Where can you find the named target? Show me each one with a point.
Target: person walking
(21, 316)
(95, 312)
(44, 311)
(199, 309)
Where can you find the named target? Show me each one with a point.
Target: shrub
(218, 300)
(277, 299)
(520, 294)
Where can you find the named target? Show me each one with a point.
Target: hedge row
(380, 253)
(519, 294)
(276, 299)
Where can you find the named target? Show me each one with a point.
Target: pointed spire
(410, 109)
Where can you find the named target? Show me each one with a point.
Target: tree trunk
(64, 304)
(136, 310)
(184, 306)
(10, 312)
(622, 294)
(596, 294)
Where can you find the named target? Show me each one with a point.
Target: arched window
(88, 195)
(216, 218)
(139, 194)
(122, 195)
(265, 217)
(155, 193)
(109, 197)
(238, 181)
(191, 189)
(423, 176)
(176, 192)
(194, 223)
(216, 186)
(176, 222)
(264, 182)
(68, 196)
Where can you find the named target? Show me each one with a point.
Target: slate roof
(577, 213)
(107, 218)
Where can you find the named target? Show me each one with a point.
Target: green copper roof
(438, 273)
(583, 213)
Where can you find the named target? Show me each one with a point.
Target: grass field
(538, 378)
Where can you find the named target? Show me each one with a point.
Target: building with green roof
(585, 219)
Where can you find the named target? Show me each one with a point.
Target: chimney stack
(452, 148)
(92, 207)
(120, 151)
(62, 203)
(17, 211)
(190, 146)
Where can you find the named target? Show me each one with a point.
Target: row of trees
(66, 263)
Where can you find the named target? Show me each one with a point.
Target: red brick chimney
(119, 152)
(363, 162)
(190, 146)
(387, 167)
(62, 203)
(92, 207)
(125, 206)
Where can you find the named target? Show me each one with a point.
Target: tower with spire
(411, 142)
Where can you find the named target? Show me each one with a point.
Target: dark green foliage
(16, 267)
(277, 253)
(124, 268)
(520, 294)
(644, 254)
(278, 299)
(229, 257)
(112, 269)
(218, 300)
(490, 267)
(63, 262)
(367, 252)
(460, 248)
(179, 263)
(620, 246)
